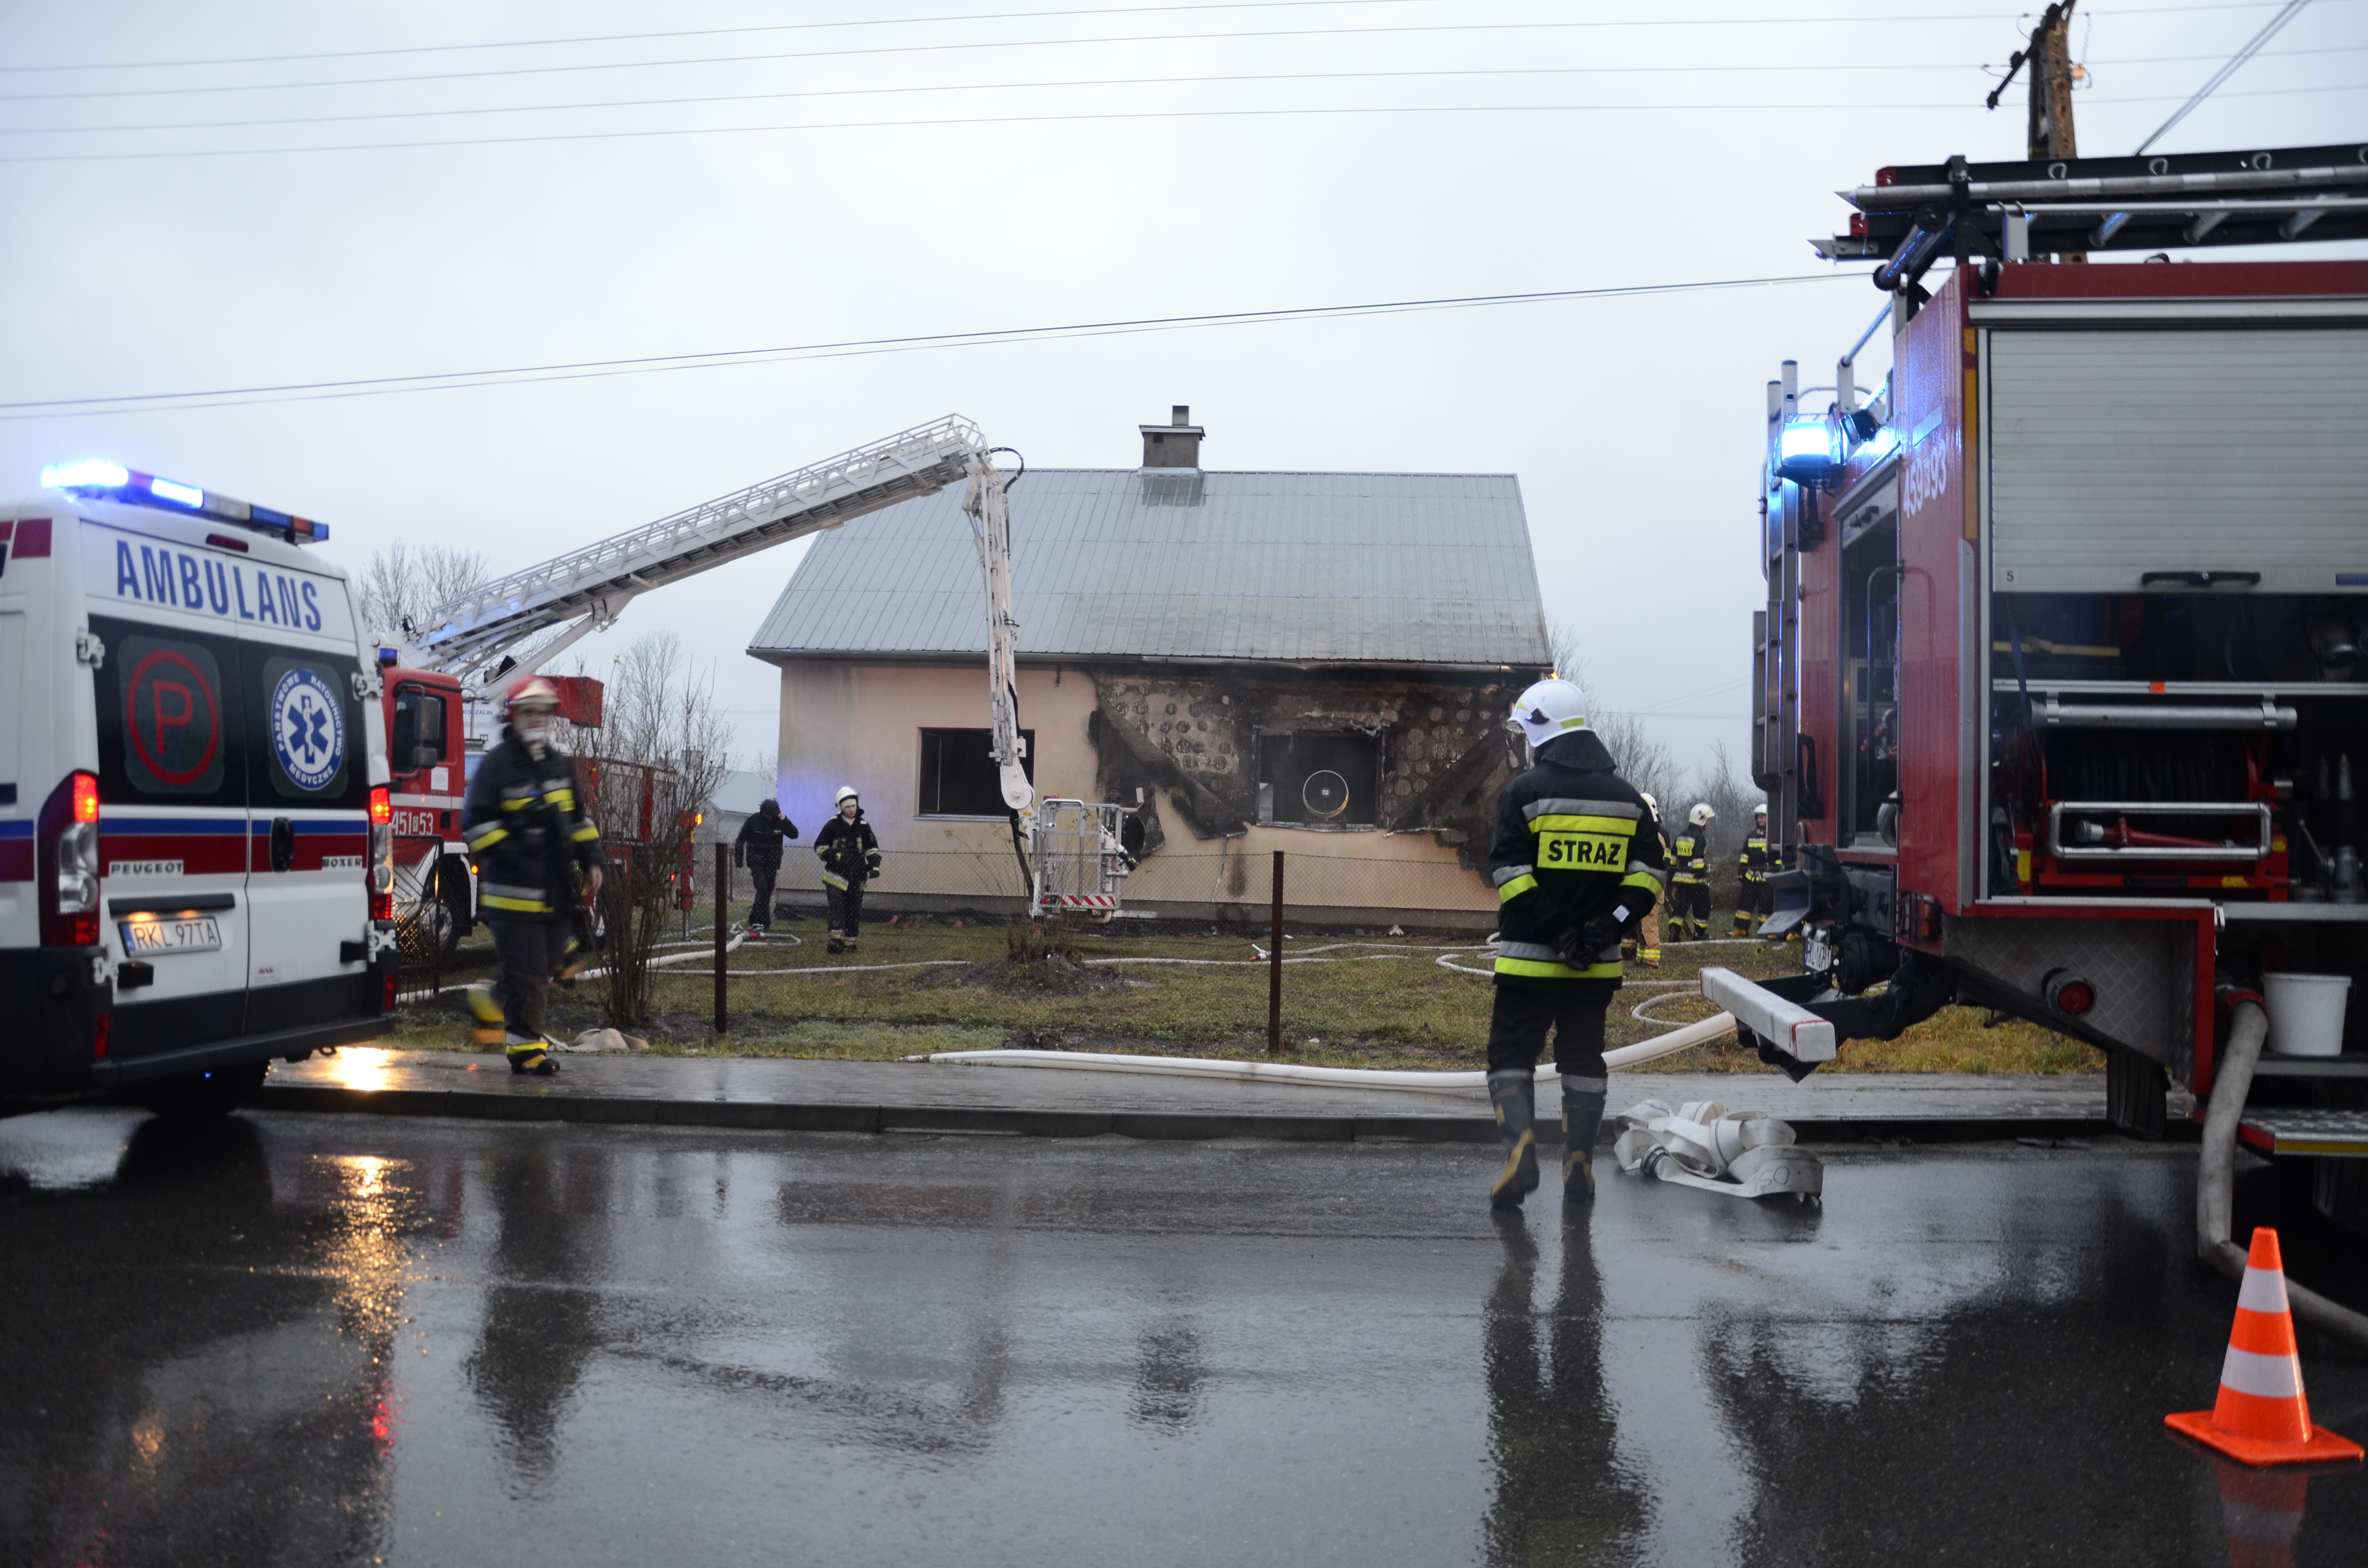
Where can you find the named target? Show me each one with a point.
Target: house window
(1331, 779)
(958, 773)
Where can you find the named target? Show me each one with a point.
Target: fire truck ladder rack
(1911, 216)
(554, 604)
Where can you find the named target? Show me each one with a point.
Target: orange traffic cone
(2261, 1416)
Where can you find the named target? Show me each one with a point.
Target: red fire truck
(2060, 700)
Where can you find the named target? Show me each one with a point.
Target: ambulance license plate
(192, 933)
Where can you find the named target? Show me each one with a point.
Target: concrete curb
(783, 1115)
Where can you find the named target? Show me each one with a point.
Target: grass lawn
(1388, 1005)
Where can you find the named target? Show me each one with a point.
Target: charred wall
(1440, 753)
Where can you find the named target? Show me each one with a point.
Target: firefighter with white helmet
(1690, 877)
(527, 831)
(1756, 897)
(850, 853)
(1575, 861)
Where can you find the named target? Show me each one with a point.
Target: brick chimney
(1176, 444)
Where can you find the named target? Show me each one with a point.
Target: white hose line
(705, 949)
(2215, 1175)
(822, 969)
(1325, 1077)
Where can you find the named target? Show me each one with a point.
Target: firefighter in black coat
(758, 847)
(850, 857)
(1756, 897)
(1576, 863)
(526, 832)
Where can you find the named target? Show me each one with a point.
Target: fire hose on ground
(2216, 1173)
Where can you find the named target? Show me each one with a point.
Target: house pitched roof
(1291, 568)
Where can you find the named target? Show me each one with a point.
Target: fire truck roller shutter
(2176, 450)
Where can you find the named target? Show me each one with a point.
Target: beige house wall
(857, 724)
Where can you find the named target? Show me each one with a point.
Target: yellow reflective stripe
(1563, 823)
(521, 906)
(486, 834)
(1539, 969)
(586, 833)
(562, 797)
(836, 882)
(1515, 889)
(520, 804)
(1646, 880)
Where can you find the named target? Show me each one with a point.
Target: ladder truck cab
(428, 755)
(196, 855)
(2060, 698)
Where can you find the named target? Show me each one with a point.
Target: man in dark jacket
(1576, 862)
(850, 857)
(525, 830)
(758, 847)
(1754, 865)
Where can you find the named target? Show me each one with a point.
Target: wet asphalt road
(316, 1340)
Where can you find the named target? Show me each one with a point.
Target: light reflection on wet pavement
(304, 1339)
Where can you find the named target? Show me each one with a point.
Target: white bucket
(2307, 1013)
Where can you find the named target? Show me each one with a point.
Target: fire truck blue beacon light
(90, 474)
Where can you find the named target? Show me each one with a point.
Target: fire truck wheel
(202, 1097)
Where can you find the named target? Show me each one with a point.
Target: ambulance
(196, 828)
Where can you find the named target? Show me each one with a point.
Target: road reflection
(541, 1326)
(244, 1417)
(1562, 1494)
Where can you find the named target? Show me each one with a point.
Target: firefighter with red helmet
(527, 831)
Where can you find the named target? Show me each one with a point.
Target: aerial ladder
(503, 630)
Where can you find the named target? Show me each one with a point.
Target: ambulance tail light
(68, 869)
(382, 853)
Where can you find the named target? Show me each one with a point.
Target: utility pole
(2050, 56)
(2048, 137)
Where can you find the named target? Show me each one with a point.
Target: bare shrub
(653, 764)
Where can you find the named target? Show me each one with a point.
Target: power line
(981, 16)
(2234, 63)
(1796, 107)
(1422, 28)
(1095, 81)
(305, 392)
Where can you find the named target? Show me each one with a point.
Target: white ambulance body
(196, 865)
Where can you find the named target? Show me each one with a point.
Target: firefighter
(1575, 863)
(525, 829)
(758, 847)
(1690, 877)
(1646, 944)
(1756, 897)
(850, 857)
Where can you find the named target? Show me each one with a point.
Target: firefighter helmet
(1701, 815)
(1760, 810)
(1548, 710)
(535, 691)
(845, 793)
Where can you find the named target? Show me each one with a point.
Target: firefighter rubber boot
(834, 945)
(1514, 1093)
(530, 1056)
(485, 1013)
(1582, 1117)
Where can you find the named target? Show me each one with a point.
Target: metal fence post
(1274, 969)
(722, 909)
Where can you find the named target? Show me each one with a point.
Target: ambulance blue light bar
(96, 476)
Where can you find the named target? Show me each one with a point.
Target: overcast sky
(1105, 168)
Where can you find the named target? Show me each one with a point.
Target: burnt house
(1319, 663)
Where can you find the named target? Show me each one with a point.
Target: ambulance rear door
(172, 780)
(302, 686)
